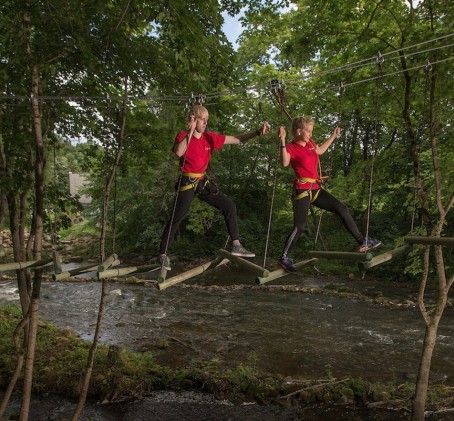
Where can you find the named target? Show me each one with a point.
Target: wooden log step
(191, 273)
(107, 263)
(245, 264)
(385, 257)
(434, 241)
(111, 273)
(77, 271)
(341, 255)
(31, 264)
(279, 273)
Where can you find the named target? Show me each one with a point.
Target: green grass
(61, 358)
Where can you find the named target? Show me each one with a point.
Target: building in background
(76, 182)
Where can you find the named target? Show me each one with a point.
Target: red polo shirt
(199, 151)
(304, 161)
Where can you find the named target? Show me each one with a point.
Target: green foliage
(103, 54)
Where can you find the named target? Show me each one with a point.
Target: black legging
(209, 193)
(324, 201)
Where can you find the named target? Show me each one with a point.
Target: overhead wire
(291, 81)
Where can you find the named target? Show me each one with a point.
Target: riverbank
(134, 386)
(179, 361)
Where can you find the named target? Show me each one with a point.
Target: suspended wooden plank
(245, 264)
(31, 264)
(341, 255)
(192, 272)
(107, 263)
(385, 257)
(435, 241)
(111, 273)
(279, 273)
(78, 271)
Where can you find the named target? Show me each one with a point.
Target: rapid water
(290, 333)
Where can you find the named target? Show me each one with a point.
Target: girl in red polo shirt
(303, 156)
(194, 147)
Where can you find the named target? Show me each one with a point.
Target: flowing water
(291, 333)
(286, 332)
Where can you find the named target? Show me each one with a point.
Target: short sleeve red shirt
(199, 151)
(304, 160)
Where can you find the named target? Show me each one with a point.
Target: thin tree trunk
(432, 320)
(102, 242)
(19, 364)
(31, 346)
(91, 355)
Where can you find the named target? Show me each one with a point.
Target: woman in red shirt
(194, 147)
(303, 156)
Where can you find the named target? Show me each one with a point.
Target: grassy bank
(119, 374)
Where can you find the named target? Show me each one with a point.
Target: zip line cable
(353, 65)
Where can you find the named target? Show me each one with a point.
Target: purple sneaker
(287, 264)
(368, 244)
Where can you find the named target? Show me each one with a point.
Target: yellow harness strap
(307, 180)
(312, 197)
(193, 184)
(193, 174)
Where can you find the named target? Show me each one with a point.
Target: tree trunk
(422, 380)
(37, 234)
(432, 320)
(109, 179)
(91, 355)
(31, 345)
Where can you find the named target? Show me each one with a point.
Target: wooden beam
(111, 273)
(107, 263)
(25, 265)
(384, 257)
(434, 241)
(341, 255)
(245, 264)
(77, 271)
(279, 273)
(192, 272)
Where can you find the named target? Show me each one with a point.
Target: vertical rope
(380, 60)
(273, 195)
(201, 100)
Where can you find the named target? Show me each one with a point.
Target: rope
(201, 100)
(380, 61)
(270, 215)
(425, 108)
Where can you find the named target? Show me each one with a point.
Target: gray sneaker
(239, 250)
(164, 262)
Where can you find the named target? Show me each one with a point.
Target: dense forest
(101, 88)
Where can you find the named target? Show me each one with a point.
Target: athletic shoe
(239, 250)
(164, 262)
(287, 264)
(368, 244)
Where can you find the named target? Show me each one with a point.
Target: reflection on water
(289, 333)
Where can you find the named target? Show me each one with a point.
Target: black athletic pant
(324, 201)
(209, 193)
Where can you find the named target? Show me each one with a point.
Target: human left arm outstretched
(325, 145)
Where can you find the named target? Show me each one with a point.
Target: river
(285, 331)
